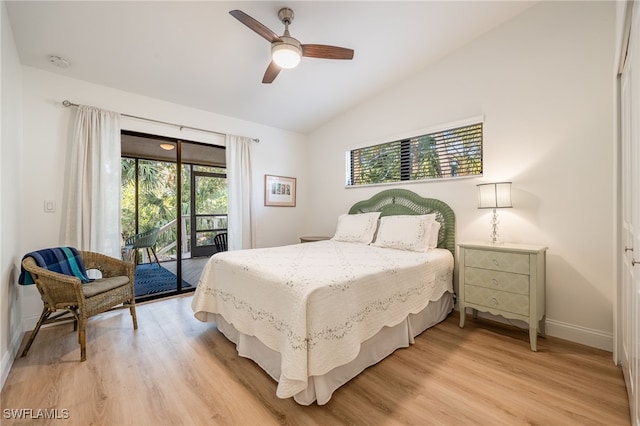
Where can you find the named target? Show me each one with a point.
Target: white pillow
(433, 234)
(357, 228)
(405, 232)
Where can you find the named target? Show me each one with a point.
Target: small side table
(313, 239)
(504, 279)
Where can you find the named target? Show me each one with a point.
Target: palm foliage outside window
(156, 197)
(448, 153)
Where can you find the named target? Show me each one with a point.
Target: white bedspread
(315, 303)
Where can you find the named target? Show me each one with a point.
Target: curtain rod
(67, 103)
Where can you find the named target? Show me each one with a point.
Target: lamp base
(494, 228)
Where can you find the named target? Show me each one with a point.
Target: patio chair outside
(143, 241)
(220, 241)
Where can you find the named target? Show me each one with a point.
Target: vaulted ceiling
(196, 54)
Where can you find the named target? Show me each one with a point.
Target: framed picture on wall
(279, 191)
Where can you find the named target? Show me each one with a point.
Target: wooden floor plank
(175, 370)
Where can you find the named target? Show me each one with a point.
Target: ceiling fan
(286, 50)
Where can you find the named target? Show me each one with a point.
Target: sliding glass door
(177, 190)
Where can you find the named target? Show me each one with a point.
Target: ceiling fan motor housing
(286, 15)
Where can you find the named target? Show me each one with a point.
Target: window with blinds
(448, 153)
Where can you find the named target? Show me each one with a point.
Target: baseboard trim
(562, 330)
(583, 335)
(28, 324)
(9, 357)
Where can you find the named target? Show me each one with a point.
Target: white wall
(10, 187)
(543, 82)
(46, 136)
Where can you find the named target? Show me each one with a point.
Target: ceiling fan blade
(256, 26)
(271, 73)
(326, 52)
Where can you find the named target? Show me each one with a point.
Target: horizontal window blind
(444, 154)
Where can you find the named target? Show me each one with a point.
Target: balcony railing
(164, 251)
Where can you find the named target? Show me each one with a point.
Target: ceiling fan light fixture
(286, 56)
(286, 51)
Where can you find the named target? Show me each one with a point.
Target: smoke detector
(59, 61)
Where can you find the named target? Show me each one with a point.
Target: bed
(315, 315)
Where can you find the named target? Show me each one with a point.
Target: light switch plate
(49, 206)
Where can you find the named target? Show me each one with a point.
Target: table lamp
(494, 196)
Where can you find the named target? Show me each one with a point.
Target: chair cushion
(103, 284)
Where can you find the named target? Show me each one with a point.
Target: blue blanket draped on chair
(64, 260)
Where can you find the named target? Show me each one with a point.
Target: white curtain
(92, 193)
(240, 193)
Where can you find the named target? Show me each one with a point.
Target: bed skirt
(372, 351)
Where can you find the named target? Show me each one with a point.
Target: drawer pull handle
(495, 262)
(494, 281)
(495, 301)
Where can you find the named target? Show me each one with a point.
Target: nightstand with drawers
(504, 279)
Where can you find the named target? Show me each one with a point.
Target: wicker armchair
(68, 295)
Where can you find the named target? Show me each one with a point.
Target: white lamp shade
(285, 55)
(494, 195)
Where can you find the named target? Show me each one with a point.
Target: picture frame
(279, 191)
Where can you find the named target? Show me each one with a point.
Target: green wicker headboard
(401, 201)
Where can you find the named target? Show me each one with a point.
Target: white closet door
(630, 191)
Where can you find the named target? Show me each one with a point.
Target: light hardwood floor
(175, 370)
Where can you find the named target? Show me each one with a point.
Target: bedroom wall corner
(10, 190)
(542, 81)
